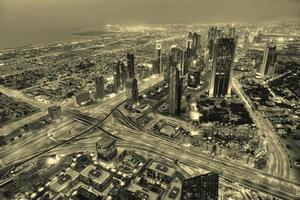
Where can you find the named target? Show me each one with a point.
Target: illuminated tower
(223, 57)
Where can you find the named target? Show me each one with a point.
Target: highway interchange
(98, 116)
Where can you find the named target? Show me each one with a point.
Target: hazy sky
(20, 19)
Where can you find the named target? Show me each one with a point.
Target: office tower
(174, 91)
(132, 90)
(135, 91)
(196, 43)
(175, 54)
(246, 40)
(231, 32)
(155, 66)
(178, 58)
(258, 38)
(204, 187)
(106, 148)
(223, 57)
(189, 46)
(268, 64)
(159, 57)
(99, 82)
(124, 74)
(116, 74)
(130, 63)
(212, 35)
(124, 194)
(194, 74)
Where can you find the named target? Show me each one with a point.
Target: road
(281, 165)
(31, 145)
(252, 178)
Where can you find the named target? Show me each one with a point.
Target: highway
(39, 142)
(281, 165)
(252, 178)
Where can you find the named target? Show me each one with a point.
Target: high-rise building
(268, 64)
(130, 65)
(194, 75)
(124, 74)
(178, 58)
(132, 90)
(124, 194)
(223, 57)
(246, 40)
(175, 85)
(116, 75)
(231, 32)
(196, 43)
(99, 82)
(258, 38)
(159, 57)
(212, 35)
(135, 91)
(106, 148)
(204, 187)
(189, 45)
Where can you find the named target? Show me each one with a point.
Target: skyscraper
(212, 35)
(130, 63)
(178, 58)
(135, 91)
(268, 64)
(99, 82)
(204, 187)
(158, 57)
(116, 75)
(189, 45)
(132, 90)
(258, 38)
(246, 40)
(231, 32)
(124, 74)
(106, 148)
(223, 57)
(196, 43)
(174, 91)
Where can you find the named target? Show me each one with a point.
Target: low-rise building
(95, 177)
(64, 181)
(161, 172)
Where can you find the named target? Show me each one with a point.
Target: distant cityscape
(176, 112)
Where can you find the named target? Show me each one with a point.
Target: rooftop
(62, 181)
(147, 194)
(95, 174)
(105, 142)
(161, 168)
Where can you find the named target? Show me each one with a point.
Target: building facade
(223, 58)
(204, 187)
